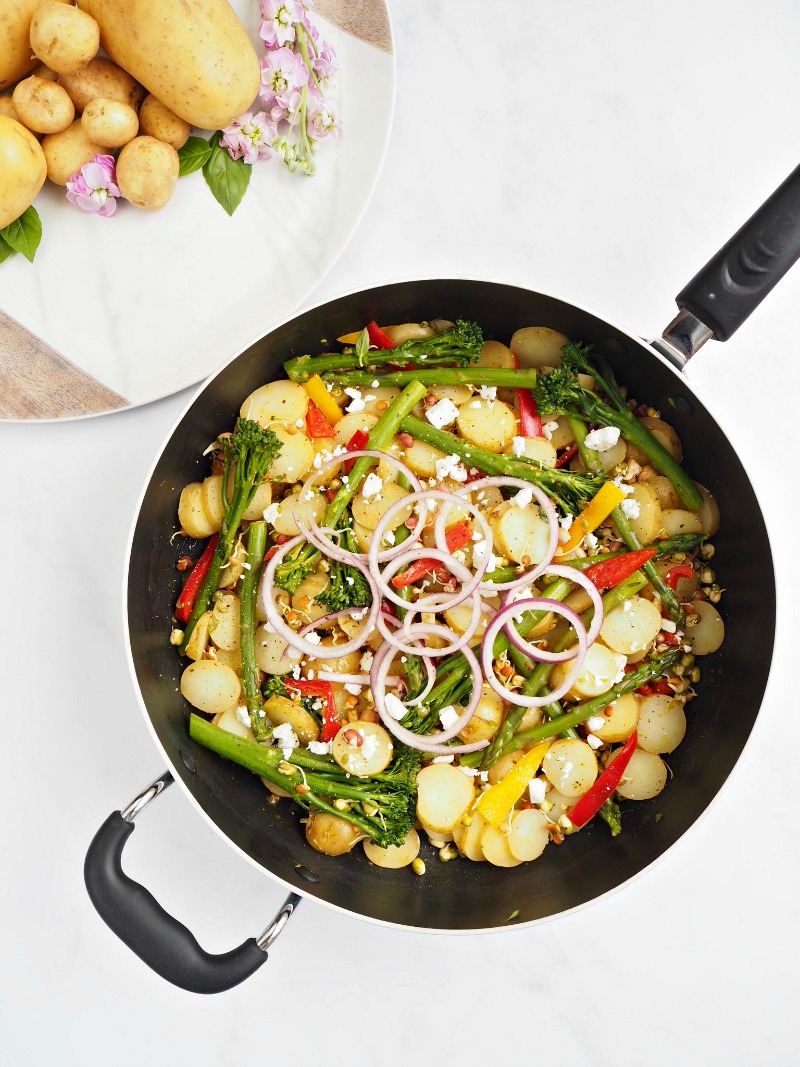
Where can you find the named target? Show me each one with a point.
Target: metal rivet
(187, 759)
(681, 403)
(304, 872)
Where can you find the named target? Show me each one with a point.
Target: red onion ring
(353, 679)
(432, 742)
(306, 648)
(499, 622)
(462, 573)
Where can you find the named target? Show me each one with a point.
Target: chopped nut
(184, 563)
(176, 637)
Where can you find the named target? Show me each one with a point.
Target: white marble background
(601, 151)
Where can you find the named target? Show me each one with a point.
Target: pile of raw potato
(169, 69)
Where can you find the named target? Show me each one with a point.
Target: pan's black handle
(735, 281)
(137, 918)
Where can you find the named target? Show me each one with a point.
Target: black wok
(457, 896)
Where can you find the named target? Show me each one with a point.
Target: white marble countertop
(601, 152)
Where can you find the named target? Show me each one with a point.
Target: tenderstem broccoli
(383, 805)
(460, 346)
(560, 392)
(248, 453)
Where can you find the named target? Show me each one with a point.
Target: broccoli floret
(347, 587)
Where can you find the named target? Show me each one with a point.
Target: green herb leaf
(193, 155)
(362, 347)
(226, 178)
(24, 235)
(5, 249)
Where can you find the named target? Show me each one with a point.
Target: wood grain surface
(36, 382)
(368, 20)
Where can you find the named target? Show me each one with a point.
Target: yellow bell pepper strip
(599, 508)
(318, 393)
(349, 338)
(496, 802)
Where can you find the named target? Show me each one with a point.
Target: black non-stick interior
(463, 895)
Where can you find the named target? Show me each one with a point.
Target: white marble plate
(136, 307)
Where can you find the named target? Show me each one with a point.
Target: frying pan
(455, 896)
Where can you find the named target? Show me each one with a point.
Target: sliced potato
(571, 766)
(538, 346)
(271, 652)
(331, 835)
(304, 597)
(647, 524)
(408, 331)
(378, 399)
(521, 534)
(662, 724)
(620, 718)
(369, 510)
(632, 626)
(467, 838)
(296, 507)
(444, 796)
(213, 503)
(198, 642)
(644, 777)
(596, 676)
(262, 498)
(294, 461)
(351, 424)
(282, 401)
(282, 710)
(500, 769)
(229, 721)
(668, 496)
(495, 848)
(707, 635)
(676, 521)
(494, 354)
(395, 856)
(540, 450)
(233, 568)
(528, 834)
(226, 615)
(489, 424)
(666, 434)
(231, 657)
(210, 687)
(363, 748)
(191, 513)
(708, 512)
(421, 458)
(485, 723)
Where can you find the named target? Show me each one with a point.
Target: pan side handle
(157, 938)
(733, 283)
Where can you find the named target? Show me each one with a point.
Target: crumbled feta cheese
(475, 404)
(286, 738)
(621, 663)
(522, 498)
(469, 771)
(518, 446)
(488, 392)
(548, 429)
(443, 759)
(243, 715)
(295, 670)
(668, 626)
(320, 748)
(394, 706)
(536, 790)
(375, 384)
(630, 508)
(483, 775)
(597, 722)
(451, 467)
(366, 661)
(626, 489)
(349, 580)
(448, 716)
(300, 423)
(369, 398)
(389, 537)
(271, 513)
(372, 485)
(590, 541)
(313, 638)
(310, 676)
(627, 606)
(603, 438)
(353, 687)
(443, 413)
(357, 401)
(369, 745)
(358, 615)
(593, 742)
(565, 522)
(295, 653)
(479, 555)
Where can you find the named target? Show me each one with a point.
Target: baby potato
(467, 839)
(706, 635)
(540, 450)
(7, 109)
(668, 496)
(538, 346)
(458, 394)
(211, 498)
(571, 766)
(147, 172)
(101, 79)
(210, 687)
(331, 835)
(662, 724)
(296, 508)
(521, 534)
(485, 723)
(363, 748)
(229, 721)
(347, 664)
(283, 401)
(296, 457)
(43, 106)
(666, 434)
(224, 629)
(369, 510)
(67, 151)
(110, 123)
(350, 424)
(444, 795)
(271, 652)
(304, 598)
(496, 355)
(198, 642)
(408, 331)
(528, 834)
(281, 710)
(395, 856)
(644, 777)
(421, 459)
(632, 626)
(597, 673)
(43, 71)
(620, 718)
(708, 512)
(156, 120)
(675, 521)
(489, 424)
(191, 514)
(495, 848)
(22, 170)
(647, 523)
(64, 37)
(383, 395)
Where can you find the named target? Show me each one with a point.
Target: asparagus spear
(256, 547)
(514, 379)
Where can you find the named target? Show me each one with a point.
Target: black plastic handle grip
(735, 281)
(156, 937)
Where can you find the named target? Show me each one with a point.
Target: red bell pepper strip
(530, 424)
(316, 423)
(568, 454)
(674, 575)
(185, 603)
(610, 572)
(590, 803)
(668, 638)
(356, 443)
(455, 538)
(377, 338)
(662, 688)
(330, 716)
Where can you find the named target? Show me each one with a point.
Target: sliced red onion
(323, 620)
(305, 647)
(462, 573)
(336, 461)
(487, 652)
(547, 506)
(461, 639)
(352, 679)
(535, 652)
(572, 574)
(432, 742)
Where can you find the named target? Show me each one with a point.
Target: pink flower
(278, 19)
(282, 73)
(250, 137)
(322, 122)
(94, 188)
(324, 62)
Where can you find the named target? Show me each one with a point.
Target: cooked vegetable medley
(453, 590)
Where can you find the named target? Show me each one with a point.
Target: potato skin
(147, 172)
(66, 152)
(158, 121)
(7, 108)
(22, 170)
(110, 123)
(215, 75)
(43, 106)
(63, 37)
(16, 56)
(101, 78)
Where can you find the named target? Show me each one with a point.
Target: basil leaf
(5, 249)
(226, 178)
(24, 235)
(193, 155)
